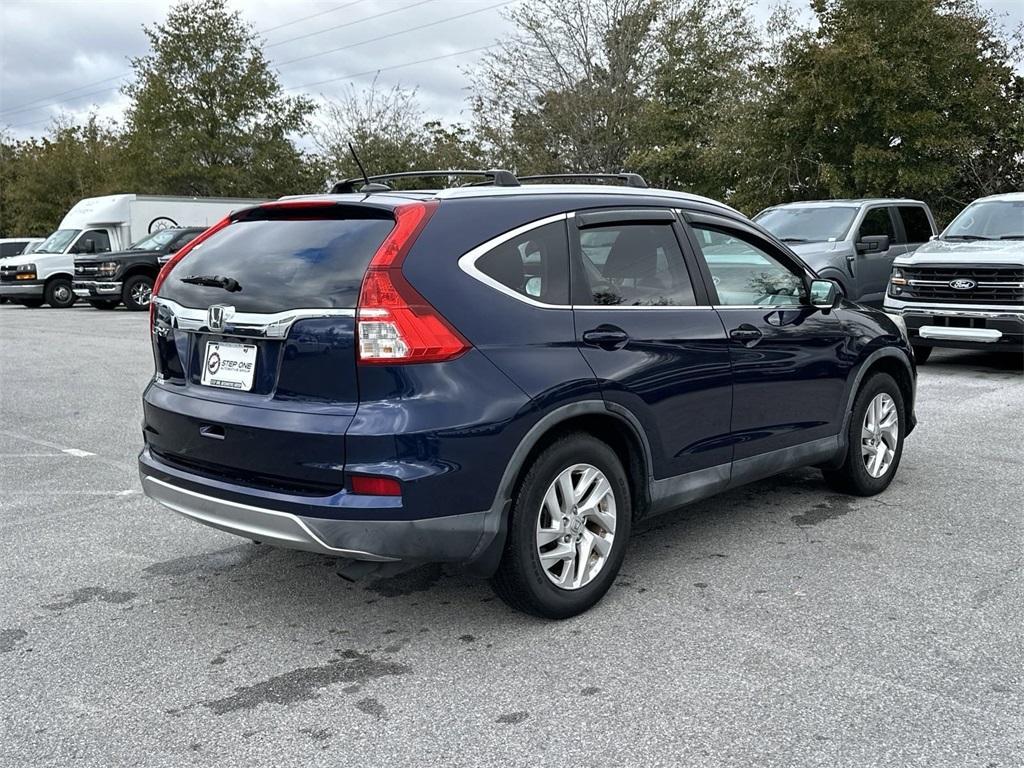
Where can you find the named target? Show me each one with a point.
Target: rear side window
(635, 265)
(915, 223)
(877, 222)
(282, 264)
(534, 264)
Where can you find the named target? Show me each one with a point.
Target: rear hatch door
(254, 339)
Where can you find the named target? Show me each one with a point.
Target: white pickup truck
(965, 288)
(99, 225)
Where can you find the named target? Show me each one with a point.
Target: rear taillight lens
(165, 270)
(394, 323)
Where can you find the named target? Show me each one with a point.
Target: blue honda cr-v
(506, 376)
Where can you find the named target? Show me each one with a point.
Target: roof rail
(495, 176)
(629, 179)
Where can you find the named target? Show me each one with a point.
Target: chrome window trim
(467, 263)
(259, 325)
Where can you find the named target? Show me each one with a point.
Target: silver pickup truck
(965, 288)
(852, 242)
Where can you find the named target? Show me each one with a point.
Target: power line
(311, 16)
(386, 69)
(30, 104)
(395, 34)
(348, 24)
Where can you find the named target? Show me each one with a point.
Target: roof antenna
(358, 163)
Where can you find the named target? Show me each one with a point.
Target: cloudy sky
(71, 56)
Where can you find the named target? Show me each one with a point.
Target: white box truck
(98, 225)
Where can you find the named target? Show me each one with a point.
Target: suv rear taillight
(395, 324)
(165, 270)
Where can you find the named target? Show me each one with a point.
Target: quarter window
(915, 223)
(877, 221)
(535, 264)
(635, 265)
(745, 274)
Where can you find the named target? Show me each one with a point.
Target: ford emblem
(962, 285)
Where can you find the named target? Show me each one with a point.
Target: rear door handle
(746, 333)
(606, 337)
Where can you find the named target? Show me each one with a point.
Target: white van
(98, 225)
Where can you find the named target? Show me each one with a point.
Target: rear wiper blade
(214, 281)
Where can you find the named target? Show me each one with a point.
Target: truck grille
(993, 285)
(87, 269)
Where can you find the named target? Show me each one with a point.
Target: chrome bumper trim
(946, 312)
(8, 289)
(267, 525)
(946, 333)
(85, 288)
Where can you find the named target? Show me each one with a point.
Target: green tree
(43, 178)
(916, 98)
(208, 115)
(700, 87)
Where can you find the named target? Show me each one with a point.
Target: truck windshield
(154, 242)
(808, 225)
(988, 220)
(58, 241)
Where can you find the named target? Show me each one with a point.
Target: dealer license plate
(230, 366)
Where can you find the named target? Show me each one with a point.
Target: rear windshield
(282, 264)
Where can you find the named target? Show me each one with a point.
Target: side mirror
(873, 244)
(825, 295)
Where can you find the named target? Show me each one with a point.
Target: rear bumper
(377, 537)
(85, 289)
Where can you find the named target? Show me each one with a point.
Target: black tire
(853, 476)
(104, 304)
(521, 580)
(921, 354)
(58, 293)
(31, 303)
(133, 286)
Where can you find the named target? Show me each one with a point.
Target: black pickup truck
(106, 280)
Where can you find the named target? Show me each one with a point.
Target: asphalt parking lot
(778, 625)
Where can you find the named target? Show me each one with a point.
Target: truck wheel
(568, 530)
(104, 304)
(58, 293)
(138, 291)
(921, 354)
(874, 439)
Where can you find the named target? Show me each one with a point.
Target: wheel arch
(611, 424)
(890, 360)
(145, 270)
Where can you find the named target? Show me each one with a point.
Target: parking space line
(76, 452)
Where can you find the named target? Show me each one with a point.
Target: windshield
(58, 241)
(154, 242)
(988, 220)
(808, 225)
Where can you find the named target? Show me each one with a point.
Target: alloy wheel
(879, 435)
(576, 526)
